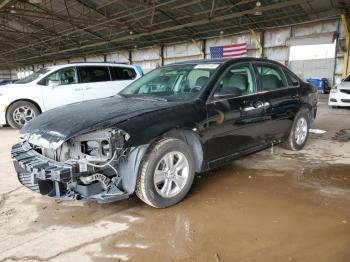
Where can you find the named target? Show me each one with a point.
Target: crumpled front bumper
(39, 173)
(55, 179)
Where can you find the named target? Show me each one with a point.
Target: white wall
(147, 58)
(5, 74)
(252, 45)
(181, 52)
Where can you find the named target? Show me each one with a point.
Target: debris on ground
(343, 135)
(317, 131)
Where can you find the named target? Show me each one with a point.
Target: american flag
(234, 50)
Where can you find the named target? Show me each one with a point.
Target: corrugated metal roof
(36, 31)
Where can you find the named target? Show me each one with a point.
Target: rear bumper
(55, 179)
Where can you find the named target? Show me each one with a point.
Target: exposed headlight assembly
(98, 146)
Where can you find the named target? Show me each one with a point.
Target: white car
(60, 85)
(340, 94)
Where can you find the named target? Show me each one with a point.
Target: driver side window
(65, 76)
(238, 80)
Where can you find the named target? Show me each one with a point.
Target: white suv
(60, 85)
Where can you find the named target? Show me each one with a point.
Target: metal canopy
(37, 31)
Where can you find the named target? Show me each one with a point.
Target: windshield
(347, 79)
(172, 83)
(33, 76)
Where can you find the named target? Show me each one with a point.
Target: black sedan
(158, 132)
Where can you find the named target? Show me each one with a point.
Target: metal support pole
(200, 48)
(204, 44)
(347, 44)
(262, 43)
(130, 57)
(161, 55)
(257, 39)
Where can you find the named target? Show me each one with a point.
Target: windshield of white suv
(33, 76)
(347, 79)
(172, 83)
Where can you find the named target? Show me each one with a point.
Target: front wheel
(20, 113)
(166, 173)
(300, 131)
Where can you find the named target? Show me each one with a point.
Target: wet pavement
(276, 205)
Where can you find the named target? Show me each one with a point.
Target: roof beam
(177, 27)
(4, 2)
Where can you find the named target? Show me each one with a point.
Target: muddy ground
(275, 205)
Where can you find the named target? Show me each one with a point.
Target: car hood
(4, 89)
(52, 128)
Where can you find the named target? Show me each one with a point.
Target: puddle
(343, 135)
(234, 213)
(334, 175)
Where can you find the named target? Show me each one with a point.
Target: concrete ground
(275, 205)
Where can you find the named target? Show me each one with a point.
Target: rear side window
(291, 79)
(271, 77)
(122, 73)
(89, 74)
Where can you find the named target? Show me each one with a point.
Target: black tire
(146, 189)
(17, 105)
(291, 142)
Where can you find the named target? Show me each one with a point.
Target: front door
(281, 98)
(235, 114)
(61, 88)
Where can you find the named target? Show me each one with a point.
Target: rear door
(235, 121)
(96, 82)
(122, 77)
(66, 89)
(281, 99)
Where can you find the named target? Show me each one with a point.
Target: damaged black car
(153, 136)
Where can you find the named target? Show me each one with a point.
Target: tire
(150, 187)
(20, 113)
(293, 143)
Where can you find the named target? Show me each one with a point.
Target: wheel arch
(192, 139)
(23, 99)
(310, 109)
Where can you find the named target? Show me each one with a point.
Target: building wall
(5, 74)
(275, 47)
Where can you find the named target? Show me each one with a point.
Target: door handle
(88, 88)
(256, 105)
(295, 96)
(78, 89)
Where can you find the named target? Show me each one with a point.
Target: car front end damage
(96, 165)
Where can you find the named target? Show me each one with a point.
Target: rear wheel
(20, 113)
(166, 173)
(300, 131)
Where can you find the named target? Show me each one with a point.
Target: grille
(345, 100)
(346, 91)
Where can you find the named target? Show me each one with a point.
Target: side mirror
(228, 92)
(54, 83)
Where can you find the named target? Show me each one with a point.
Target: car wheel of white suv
(20, 113)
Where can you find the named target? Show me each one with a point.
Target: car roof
(54, 67)
(224, 60)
